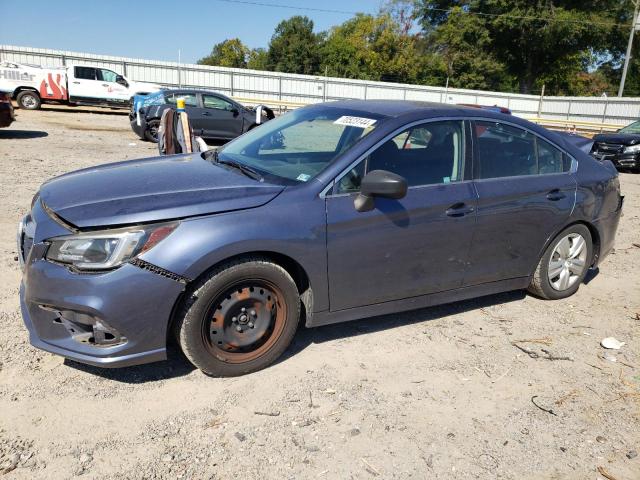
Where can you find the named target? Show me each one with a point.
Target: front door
(409, 247)
(113, 91)
(526, 193)
(221, 118)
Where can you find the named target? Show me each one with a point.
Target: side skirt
(327, 317)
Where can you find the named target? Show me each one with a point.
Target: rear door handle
(555, 195)
(77, 83)
(206, 114)
(459, 209)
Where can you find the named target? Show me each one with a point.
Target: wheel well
(293, 268)
(595, 239)
(24, 89)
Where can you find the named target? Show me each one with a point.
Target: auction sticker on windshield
(360, 122)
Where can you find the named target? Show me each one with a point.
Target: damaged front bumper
(111, 318)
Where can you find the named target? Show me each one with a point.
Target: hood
(150, 190)
(619, 138)
(144, 87)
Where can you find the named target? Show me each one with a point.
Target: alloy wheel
(568, 262)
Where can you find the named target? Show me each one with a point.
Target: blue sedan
(330, 213)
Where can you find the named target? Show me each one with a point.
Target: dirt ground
(436, 393)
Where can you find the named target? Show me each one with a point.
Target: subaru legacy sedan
(330, 213)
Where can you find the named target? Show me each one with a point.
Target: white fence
(287, 87)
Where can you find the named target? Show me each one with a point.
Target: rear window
(85, 73)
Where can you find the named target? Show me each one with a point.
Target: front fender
(291, 227)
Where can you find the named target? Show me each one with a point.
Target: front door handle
(555, 195)
(105, 84)
(77, 83)
(206, 114)
(459, 209)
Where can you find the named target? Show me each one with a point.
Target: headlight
(106, 249)
(632, 149)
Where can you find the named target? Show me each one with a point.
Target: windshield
(633, 128)
(300, 144)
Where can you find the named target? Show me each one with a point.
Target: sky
(156, 29)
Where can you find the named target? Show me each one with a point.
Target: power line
(442, 10)
(290, 7)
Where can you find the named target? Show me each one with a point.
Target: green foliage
(464, 44)
(573, 47)
(230, 53)
(294, 47)
(258, 59)
(371, 48)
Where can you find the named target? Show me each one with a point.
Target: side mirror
(121, 80)
(379, 183)
(235, 112)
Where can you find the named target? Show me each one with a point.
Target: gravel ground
(435, 393)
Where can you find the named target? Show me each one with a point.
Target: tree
(230, 53)
(372, 48)
(537, 41)
(258, 59)
(294, 47)
(464, 44)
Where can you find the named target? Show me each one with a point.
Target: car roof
(412, 110)
(191, 90)
(400, 108)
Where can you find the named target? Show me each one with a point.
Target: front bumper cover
(112, 319)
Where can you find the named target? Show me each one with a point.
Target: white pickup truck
(32, 85)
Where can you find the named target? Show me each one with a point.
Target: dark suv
(213, 116)
(621, 147)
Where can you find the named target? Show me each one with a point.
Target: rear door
(83, 84)
(409, 247)
(222, 118)
(191, 106)
(526, 192)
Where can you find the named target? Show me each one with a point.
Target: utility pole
(627, 58)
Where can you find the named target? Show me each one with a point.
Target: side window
(550, 159)
(211, 101)
(505, 151)
(107, 75)
(190, 99)
(428, 154)
(85, 73)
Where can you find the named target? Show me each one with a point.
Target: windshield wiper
(245, 169)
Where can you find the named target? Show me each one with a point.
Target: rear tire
(239, 318)
(564, 264)
(28, 100)
(151, 131)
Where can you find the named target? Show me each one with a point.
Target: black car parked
(213, 116)
(622, 147)
(7, 114)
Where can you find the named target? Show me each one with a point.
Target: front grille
(26, 232)
(609, 148)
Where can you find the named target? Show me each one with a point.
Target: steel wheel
(568, 262)
(245, 321)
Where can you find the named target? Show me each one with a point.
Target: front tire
(28, 100)
(151, 131)
(564, 264)
(240, 318)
